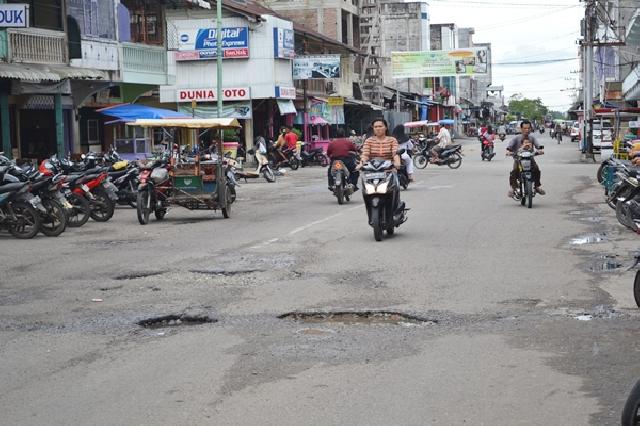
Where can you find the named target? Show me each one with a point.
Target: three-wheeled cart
(195, 182)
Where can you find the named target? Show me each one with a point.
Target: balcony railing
(37, 46)
(142, 58)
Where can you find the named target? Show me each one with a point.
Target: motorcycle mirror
(541, 147)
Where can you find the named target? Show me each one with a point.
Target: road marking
(264, 244)
(317, 222)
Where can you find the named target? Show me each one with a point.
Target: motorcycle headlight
(382, 188)
(369, 188)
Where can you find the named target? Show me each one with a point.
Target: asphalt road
(520, 325)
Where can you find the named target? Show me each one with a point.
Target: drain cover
(175, 321)
(367, 317)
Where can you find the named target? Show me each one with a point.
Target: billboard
(202, 43)
(317, 66)
(283, 43)
(440, 63)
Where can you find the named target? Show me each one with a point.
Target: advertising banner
(285, 92)
(440, 63)
(317, 66)
(240, 110)
(201, 43)
(283, 43)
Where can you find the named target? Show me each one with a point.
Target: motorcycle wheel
(455, 161)
(268, 175)
(529, 195)
(630, 411)
(232, 191)
(226, 210)
(143, 206)
(621, 214)
(294, 163)
(636, 289)
(79, 215)
(376, 224)
(28, 221)
(103, 207)
(420, 161)
(340, 193)
(523, 197)
(599, 173)
(55, 221)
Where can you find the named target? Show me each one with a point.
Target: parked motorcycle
(525, 190)
(381, 193)
(311, 157)
(18, 211)
(625, 198)
(451, 156)
(263, 169)
(154, 189)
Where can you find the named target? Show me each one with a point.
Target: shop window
(96, 18)
(45, 14)
(145, 19)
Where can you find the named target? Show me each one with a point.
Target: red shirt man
(291, 139)
(339, 148)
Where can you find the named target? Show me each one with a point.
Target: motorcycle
(313, 157)
(541, 129)
(625, 198)
(153, 190)
(381, 193)
(525, 191)
(290, 159)
(263, 169)
(124, 176)
(451, 156)
(487, 150)
(342, 189)
(19, 211)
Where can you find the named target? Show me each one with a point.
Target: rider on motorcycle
(524, 140)
(444, 139)
(487, 138)
(343, 149)
(404, 142)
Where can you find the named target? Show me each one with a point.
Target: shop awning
(33, 72)
(189, 123)
(363, 103)
(131, 112)
(286, 106)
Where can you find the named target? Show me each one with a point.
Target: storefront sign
(440, 63)
(319, 66)
(336, 101)
(285, 92)
(283, 43)
(14, 15)
(201, 44)
(240, 110)
(210, 94)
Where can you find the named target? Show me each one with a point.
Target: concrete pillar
(6, 125)
(76, 146)
(248, 139)
(350, 29)
(59, 124)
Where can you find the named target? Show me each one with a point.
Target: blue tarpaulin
(132, 112)
(446, 121)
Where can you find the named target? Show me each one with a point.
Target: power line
(543, 61)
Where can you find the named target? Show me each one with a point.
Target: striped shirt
(376, 148)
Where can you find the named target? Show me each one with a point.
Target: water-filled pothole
(364, 317)
(606, 266)
(136, 275)
(175, 321)
(588, 239)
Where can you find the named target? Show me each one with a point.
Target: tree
(532, 109)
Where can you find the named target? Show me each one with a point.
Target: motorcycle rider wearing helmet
(342, 148)
(514, 145)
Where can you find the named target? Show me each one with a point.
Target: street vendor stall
(195, 180)
(319, 131)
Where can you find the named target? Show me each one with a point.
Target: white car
(575, 133)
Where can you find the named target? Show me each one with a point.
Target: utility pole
(587, 44)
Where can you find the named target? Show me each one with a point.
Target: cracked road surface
(528, 320)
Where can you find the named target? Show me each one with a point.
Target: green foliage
(297, 132)
(533, 109)
(558, 115)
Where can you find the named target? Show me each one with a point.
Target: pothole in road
(224, 272)
(175, 321)
(366, 317)
(588, 239)
(137, 275)
(606, 266)
(591, 219)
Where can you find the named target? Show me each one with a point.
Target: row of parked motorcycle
(62, 193)
(620, 179)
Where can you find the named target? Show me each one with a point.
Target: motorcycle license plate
(375, 175)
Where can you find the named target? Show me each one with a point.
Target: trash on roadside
(97, 300)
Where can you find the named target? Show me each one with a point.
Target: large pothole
(175, 321)
(363, 317)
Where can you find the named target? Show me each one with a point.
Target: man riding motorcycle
(342, 149)
(516, 144)
(444, 139)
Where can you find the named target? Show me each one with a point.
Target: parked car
(575, 132)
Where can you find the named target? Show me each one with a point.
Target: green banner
(440, 63)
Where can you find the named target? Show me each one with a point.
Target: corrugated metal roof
(32, 72)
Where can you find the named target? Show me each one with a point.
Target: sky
(524, 31)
